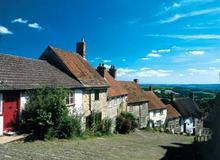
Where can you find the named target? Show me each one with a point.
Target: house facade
(137, 101)
(94, 95)
(191, 121)
(157, 110)
(116, 94)
(173, 119)
(19, 75)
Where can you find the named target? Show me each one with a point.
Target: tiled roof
(135, 93)
(80, 68)
(187, 107)
(115, 88)
(17, 73)
(154, 101)
(172, 112)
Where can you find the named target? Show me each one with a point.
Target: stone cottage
(18, 75)
(116, 94)
(94, 95)
(191, 121)
(137, 101)
(157, 110)
(173, 119)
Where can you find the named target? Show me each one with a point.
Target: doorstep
(6, 139)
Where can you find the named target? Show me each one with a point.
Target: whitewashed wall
(155, 116)
(78, 101)
(189, 125)
(1, 117)
(23, 100)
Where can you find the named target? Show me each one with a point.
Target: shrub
(46, 115)
(99, 126)
(125, 123)
(106, 125)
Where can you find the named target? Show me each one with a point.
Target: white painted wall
(1, 117)
(158, 115)
(23, 100)
(189, 125)
(78, 101)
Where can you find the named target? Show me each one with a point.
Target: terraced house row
(92, 90)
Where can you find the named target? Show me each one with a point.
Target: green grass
(141, 145)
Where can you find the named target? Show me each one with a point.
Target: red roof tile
(154, 101)
(80, 68)
(172, 112)
(115, 88)
(135, 93)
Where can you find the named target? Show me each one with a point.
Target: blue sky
(156, 41)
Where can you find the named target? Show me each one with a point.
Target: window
(154, 113)
(96, 95)
(71, 99)
(1, 104)
(161, 112)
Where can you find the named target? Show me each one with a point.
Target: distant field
(141, 145)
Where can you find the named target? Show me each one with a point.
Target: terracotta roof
(187, 107)
(115, 88)
(18, 73)
(135, 93)
(172, 112)
(154, 101)
(80, 68)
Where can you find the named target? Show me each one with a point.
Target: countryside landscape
(109, 80)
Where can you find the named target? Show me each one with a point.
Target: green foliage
(125, 123)
(46, 115)
(99, 126)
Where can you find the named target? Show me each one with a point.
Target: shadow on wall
(180, 152)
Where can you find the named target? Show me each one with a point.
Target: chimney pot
(101, 69)
(81, 48)
(112, 71)
(172, 96)
(136, 80)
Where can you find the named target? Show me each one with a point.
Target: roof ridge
(20, 57)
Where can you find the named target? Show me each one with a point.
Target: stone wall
(140, 110)
(173, 125)
(96, 105)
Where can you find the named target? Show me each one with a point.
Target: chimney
(136, 81)
(191, 95)
(101, 69)
(112, 71)
(81, 48)
(172, 96)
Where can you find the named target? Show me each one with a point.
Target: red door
(10, 111)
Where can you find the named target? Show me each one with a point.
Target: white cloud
(190, 14)
(4, 30)
(142, 73)
(19, 20)
(216, 60)
(153, 55)
(107, 61)
(145, 58)
(35, 26)
(123, 60)
(97, 58)
(187, 37)
(164, 50)
(176, 5)
(125, 71)
(194, 70)
(196, 52)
